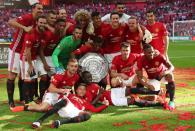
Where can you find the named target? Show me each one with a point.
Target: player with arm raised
(135, 34)
(113, 37)
(23, 24)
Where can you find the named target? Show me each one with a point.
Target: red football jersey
(32, 40)
(106, 95)
(100, 30)
(125, 66)
(85, 49)
(61, 80)
(76, 101)
(153, 67)
(158, 31)
(82, 104)
(135, 47)
(26, 20)
(52, 41)
(92, 91)
(113, 38)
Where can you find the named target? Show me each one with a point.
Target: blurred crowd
(167, 12)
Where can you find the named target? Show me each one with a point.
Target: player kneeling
(158, 70)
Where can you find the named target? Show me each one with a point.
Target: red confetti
(185, 116)
(182, 128)
(182, 84)
(143, 123)
(118, 124)
(3, 76)
(128, 122)
(158, 127)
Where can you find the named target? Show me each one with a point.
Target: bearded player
(23, 24)
(28, 56)
(158, 70)
(45, 64)
(160, 39)
(60, 85)
(114, 36)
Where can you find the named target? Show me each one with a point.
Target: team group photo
(97, 65)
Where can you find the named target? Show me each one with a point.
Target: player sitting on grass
(115, 96)
(158, 69)
(72, 108)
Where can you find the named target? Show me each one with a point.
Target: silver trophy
(96, 64)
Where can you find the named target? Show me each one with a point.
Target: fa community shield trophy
(96, 64)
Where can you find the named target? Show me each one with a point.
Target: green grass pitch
(132, 118)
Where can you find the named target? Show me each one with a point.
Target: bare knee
(12, 75)
(169, 77)
(115, 82)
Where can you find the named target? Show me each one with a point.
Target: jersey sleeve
(106, 18)
(56, 79)
(164, 30)
(90, 107)
(23, 19)
(139, 64)
(82, 50)
(57, 51)
(70, 30)
(114, 64)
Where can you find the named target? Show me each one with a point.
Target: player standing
(123, 17)
(114, 36)
(28, 56)
(160, 39)
(45, 64)
(135, 34)
(23, 24)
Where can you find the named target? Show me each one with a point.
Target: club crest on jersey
(156, 30)
(136, 38)
(64, 82)
(156, 63)
(121, 32)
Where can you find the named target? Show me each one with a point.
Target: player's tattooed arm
(166, 40)
(98, 96)
(141, 34)
(14, 23)
(42, 56)
(170, 68)
(115, 74)
(29, 60)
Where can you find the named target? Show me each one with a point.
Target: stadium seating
(167, 12)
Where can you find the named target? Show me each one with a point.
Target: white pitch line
(180, 57)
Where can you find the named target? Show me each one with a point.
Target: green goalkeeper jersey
(62, 52)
